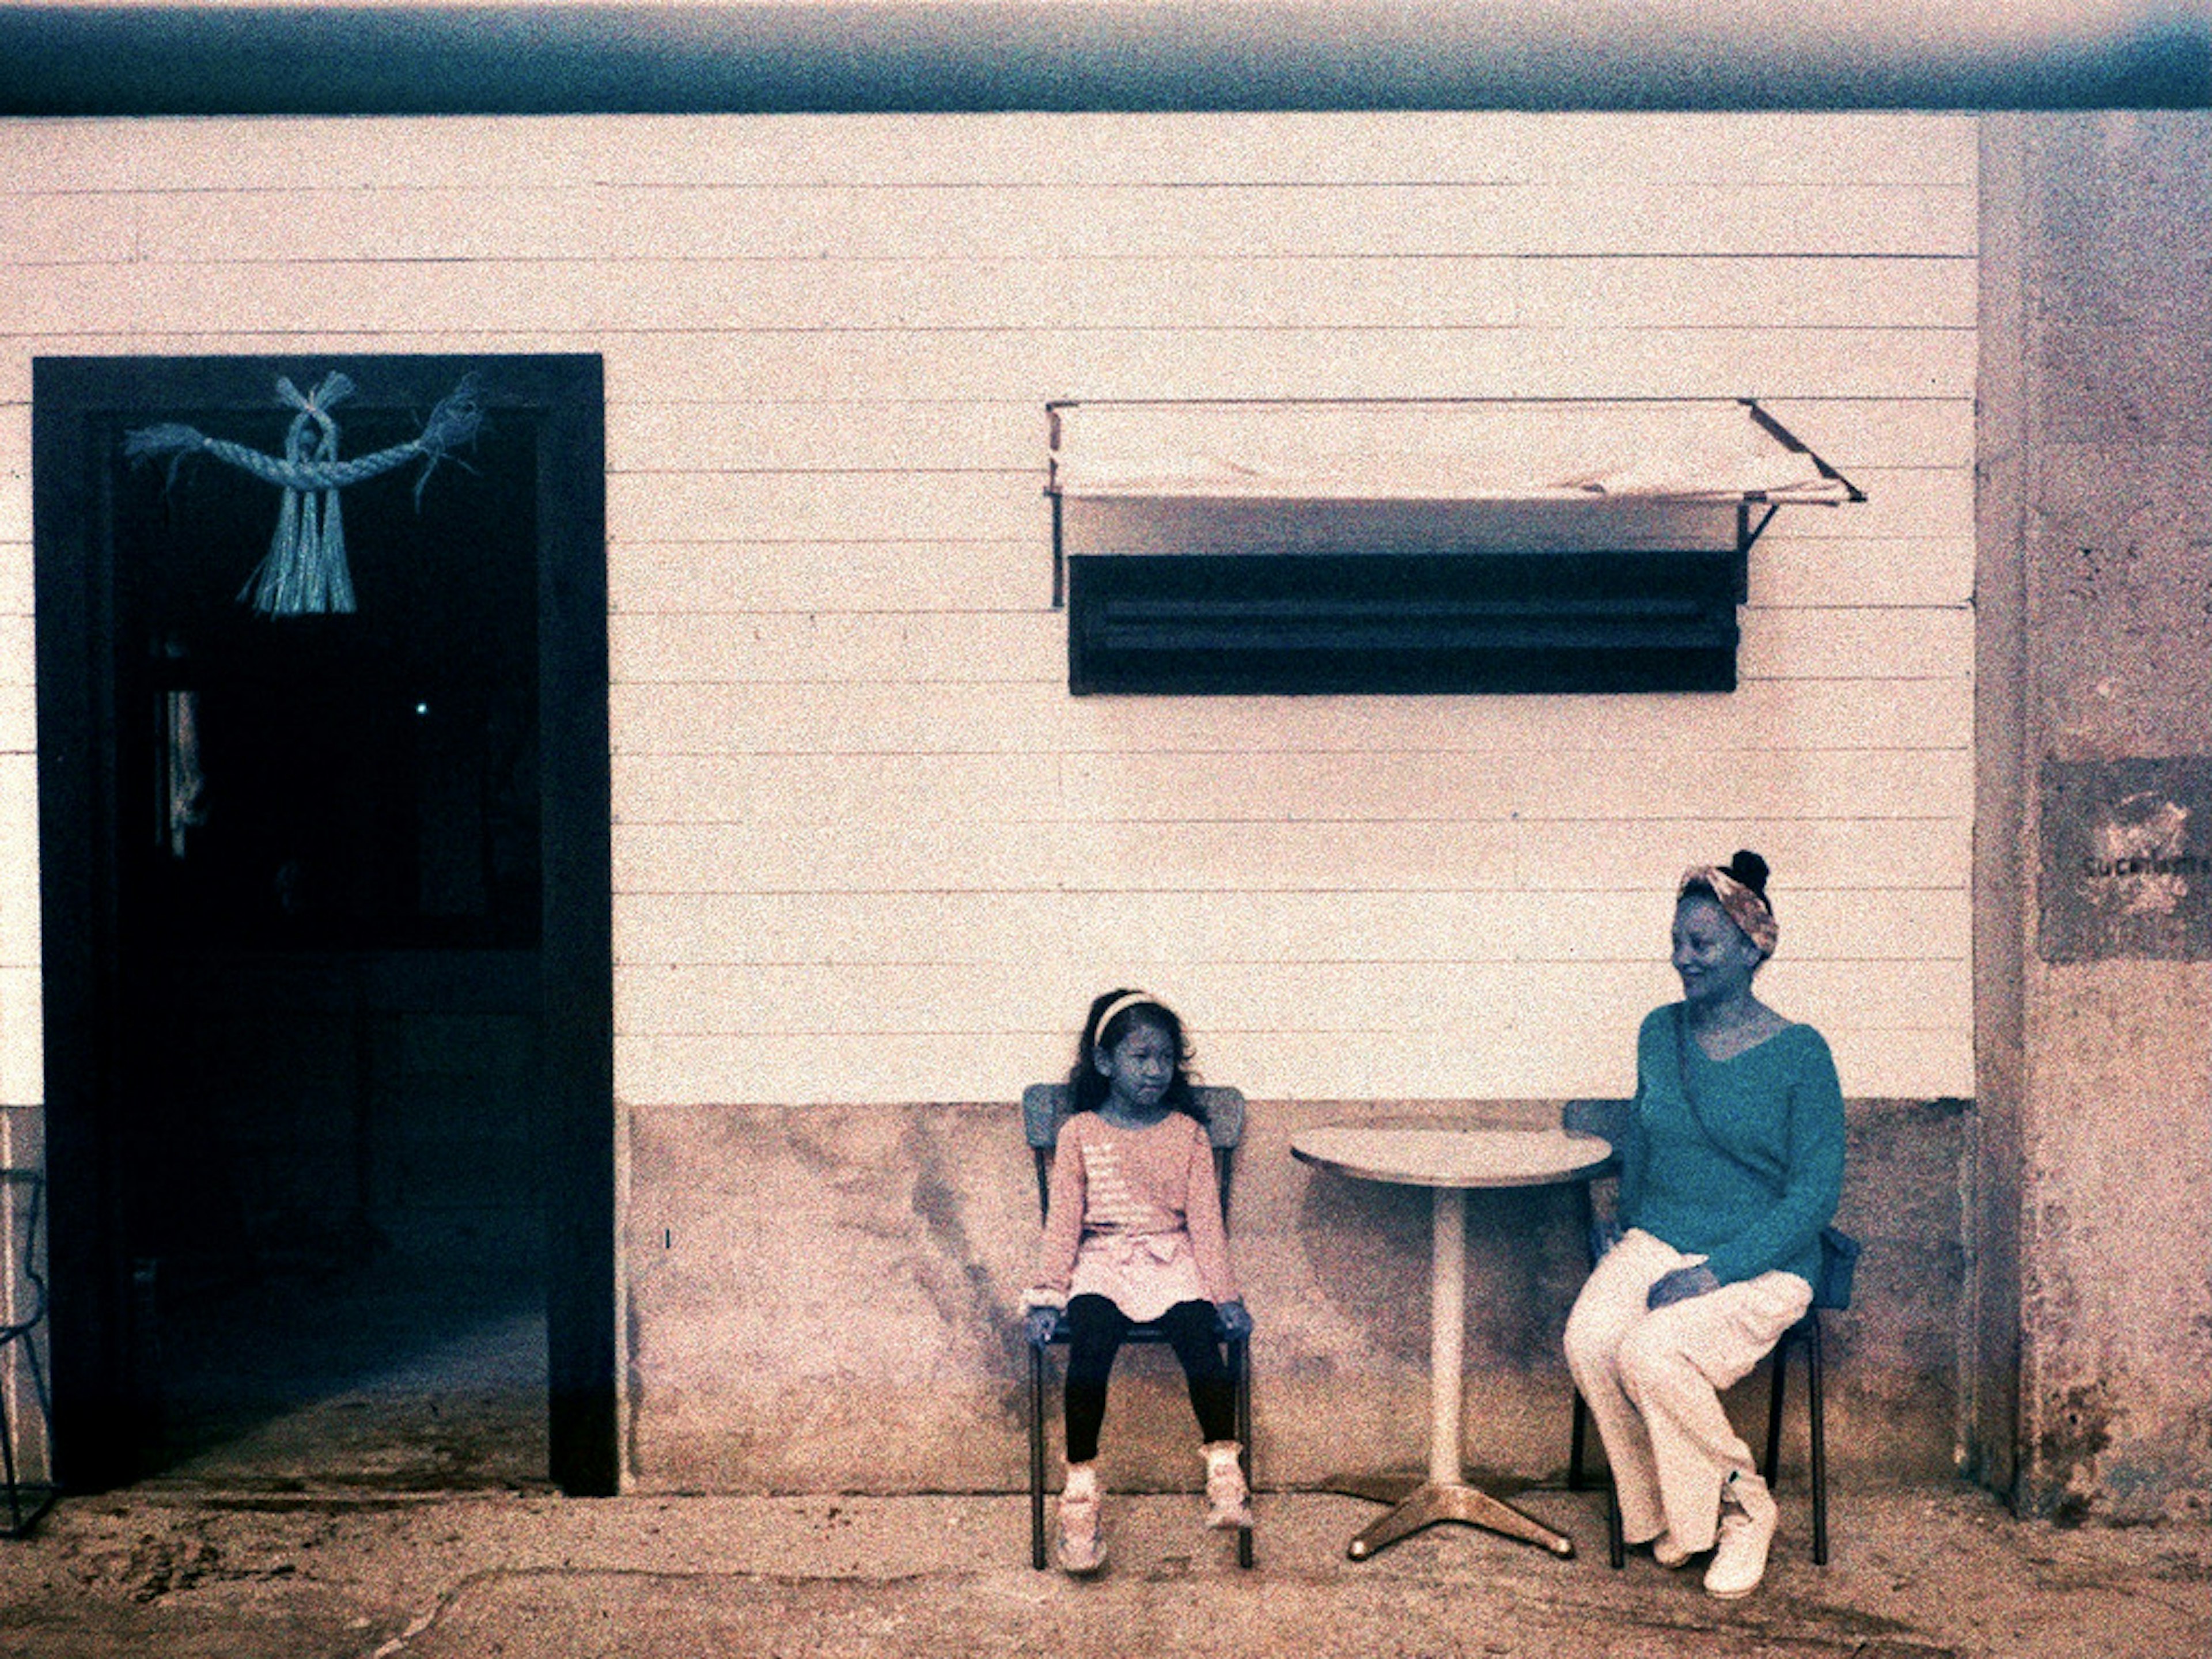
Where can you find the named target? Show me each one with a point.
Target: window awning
(1503, 450)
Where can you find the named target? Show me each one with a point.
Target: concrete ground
(186, 1572)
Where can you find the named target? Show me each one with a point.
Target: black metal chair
(1045, 1107)
(1804, 1334)
(22, 1194)
(1596, 1117)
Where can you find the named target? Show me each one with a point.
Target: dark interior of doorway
(326, 957)
(327, 1088)
(328, 940)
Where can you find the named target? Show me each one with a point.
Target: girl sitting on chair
(1133, 1235)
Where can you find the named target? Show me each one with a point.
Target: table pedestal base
(1432, 1501)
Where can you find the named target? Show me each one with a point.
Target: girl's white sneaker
(1081, 1548)
(1228, 1499)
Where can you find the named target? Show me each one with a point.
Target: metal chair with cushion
(23, 1301)
(1603, 1117)
(1045, 1107)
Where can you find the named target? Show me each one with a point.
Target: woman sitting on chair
(1732, 1161)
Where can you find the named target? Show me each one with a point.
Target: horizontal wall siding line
(1491, 1063)
(1031, 469)
(839, 506)
(609, 221)
(1045, 367)
(1446, 926)
(938, 297)
(1135, 784)
(1319, 1005)
(1237, 880)
(981, 646)
(1382, 788)
(1442, 147)
(1026, 569)
(1864, 436)
(1903, 993)
(983, 718)
(975, 853)
(1150, 963)
(391, 188)
(920, 575)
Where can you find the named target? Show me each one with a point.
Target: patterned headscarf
(1746, 907)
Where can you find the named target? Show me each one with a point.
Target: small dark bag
(1839, 1251)
(1840, 1260)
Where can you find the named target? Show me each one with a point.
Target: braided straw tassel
(305, 573)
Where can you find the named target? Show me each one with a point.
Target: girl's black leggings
(1095, 1329)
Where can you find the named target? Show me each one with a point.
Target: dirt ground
(185, 1572)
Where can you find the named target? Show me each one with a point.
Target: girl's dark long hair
(1088, 1086)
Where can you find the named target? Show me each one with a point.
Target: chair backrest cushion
(1606, 1119)
(1046, 1106)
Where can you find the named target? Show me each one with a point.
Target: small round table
(1448, 1159)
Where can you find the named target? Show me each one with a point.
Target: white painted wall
(866, 848)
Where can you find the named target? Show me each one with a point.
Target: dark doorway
(327, 965)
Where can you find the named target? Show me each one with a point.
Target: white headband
(1121, 1005)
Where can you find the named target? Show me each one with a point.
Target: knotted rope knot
(305, 570)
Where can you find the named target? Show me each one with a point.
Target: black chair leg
(7, 1465)
(1819, 1425)
(1616, 1550)
(1036, 1457)
(1805, 1334)
(1780, 1370)
(1240, 1372)
(1577, 1442)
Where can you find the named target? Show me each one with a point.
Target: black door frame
(76, 404)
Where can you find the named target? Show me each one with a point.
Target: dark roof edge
(1037, 54)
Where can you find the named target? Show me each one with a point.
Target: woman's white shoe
(1748, 1518)
(1668, 1553)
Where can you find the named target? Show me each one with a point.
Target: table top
(1438, 1153)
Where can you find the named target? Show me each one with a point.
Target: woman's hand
(1231, 1320)
(1041, 1323)
(1603, 1236)
(1680, 1285)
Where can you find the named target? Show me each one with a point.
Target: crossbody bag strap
(1690, 1099)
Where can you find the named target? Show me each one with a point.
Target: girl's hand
(1041, 1323)
(1231, 1320)
(1680, 1285)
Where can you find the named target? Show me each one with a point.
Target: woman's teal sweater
(1757, 1201)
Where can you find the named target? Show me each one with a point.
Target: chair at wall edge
(23, 1192)
(1805, 1334)
(1045, 1107)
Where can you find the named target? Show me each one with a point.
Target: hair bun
(1750, 869)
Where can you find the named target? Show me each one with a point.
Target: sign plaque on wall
(2127, 859)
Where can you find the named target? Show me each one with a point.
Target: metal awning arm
(1747, 533)
(1790, 441)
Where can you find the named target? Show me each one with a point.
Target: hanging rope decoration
(304, 572)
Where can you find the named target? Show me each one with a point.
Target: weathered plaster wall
(2115, 1109)
(884, 1354)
